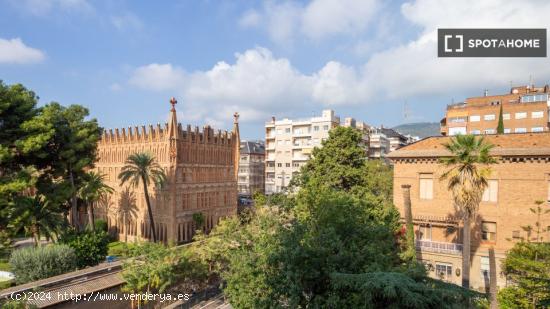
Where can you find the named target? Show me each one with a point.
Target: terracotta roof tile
(517, 144)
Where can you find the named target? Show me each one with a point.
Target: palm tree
(467, 180)
(127, 209)
(142, 168)
(92, 190)
(38, 217)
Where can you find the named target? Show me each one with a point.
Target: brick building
(525, 109)
(521, 177)
(202, 178)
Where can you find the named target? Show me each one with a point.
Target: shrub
(101, 225)
(90, 247)
(34, 263)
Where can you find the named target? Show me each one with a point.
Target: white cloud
(15, 51)
(127, 21)
(323, 18)
(258, 84)
(45, 7)
(414, 68)
(157, 77)
(250, 18)
(317, 20)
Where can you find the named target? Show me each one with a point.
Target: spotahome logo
(491, 42)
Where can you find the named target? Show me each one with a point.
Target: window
(426, 186)
(537, 129)
(475, 118)
(279, 164)
(279, 131)
(296, 164)
(475, 132)
(457, 130)
(489, 117)
(457, 119)
(537, 114)
(506, 116)
(534, 98)
(444, 271)
(287, 165)
(515, 235)
(485, 267)
(507, 130)
(425, 232)
(489, 131)
(521, 115)
(488, 231)
(520, 130)
(491, 193)
(316, 128)
(325, 127)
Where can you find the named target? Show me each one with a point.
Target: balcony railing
(440, 247)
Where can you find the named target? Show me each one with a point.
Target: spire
(237, 145)
(173, 121)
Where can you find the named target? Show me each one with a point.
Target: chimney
(272, 118)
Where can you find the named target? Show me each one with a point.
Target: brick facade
(520, 178)
(201, 168)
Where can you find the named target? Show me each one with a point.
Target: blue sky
(363, 58)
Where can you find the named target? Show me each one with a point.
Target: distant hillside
(421, 129)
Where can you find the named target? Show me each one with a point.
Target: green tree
(142, 168)
(466, 178)
(65, 144)
(150, 267)
(92, 190)
(527, 266)
(90, 247)
(17, 105)
(342, 164)
(198, 220)
(538, 229)
(38, 217)
(500, 127)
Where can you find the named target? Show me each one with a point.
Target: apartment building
(251, 177)
(288, 146)
(525, 109)
(521, 177)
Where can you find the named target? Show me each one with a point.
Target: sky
(367, 59)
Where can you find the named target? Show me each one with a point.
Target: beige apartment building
(201, 168)
(251, 178)
(525, 109)
(288, 146)
(521, 177)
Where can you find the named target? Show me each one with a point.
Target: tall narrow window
(425, 232)
(488, 231)
(485, 268)
(426, 186)
(491, 193)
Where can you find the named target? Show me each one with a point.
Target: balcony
(439, 247)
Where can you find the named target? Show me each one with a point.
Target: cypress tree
(500, 127)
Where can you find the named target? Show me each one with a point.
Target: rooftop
(512, 144)
(252, 147)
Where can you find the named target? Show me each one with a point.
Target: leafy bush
(119, 248)
(90, 247)
(34, 263)
(101, 225)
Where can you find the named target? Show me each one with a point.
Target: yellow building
(521, 177)
(201, 167)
